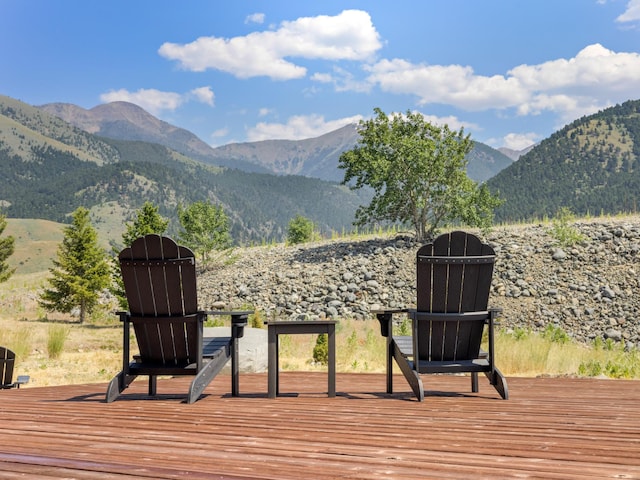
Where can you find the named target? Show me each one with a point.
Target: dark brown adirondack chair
(453, 283)
(7, 362)
(160, 284)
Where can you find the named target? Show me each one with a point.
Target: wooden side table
(296, 327)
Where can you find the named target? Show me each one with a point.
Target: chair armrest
(385, 317)
(22, 379)
(239, 320)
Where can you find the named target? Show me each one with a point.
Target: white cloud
(204, 95)
(255, 18)
(632, 13)
(595, 78)
(155, 101)
(298, 128)
(452, 121)
(347, 36)
(447, 84)
(152, 100)
(520, 141)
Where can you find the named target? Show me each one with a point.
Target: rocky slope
(590, 290)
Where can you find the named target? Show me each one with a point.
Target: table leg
(272, 365)
(332, 360)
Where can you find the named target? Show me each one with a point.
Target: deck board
(552, 428)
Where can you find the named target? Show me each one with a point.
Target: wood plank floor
(551, 428)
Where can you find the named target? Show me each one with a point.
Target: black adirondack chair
(7, 362)
(453, 284)
(160, 283)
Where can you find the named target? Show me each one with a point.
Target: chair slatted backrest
(7, 361)
(453, 277)
(160, 283)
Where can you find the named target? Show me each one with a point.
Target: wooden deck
(550, 428)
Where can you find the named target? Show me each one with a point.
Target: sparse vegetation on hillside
(590, 166)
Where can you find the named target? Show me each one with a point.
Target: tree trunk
(83, 311)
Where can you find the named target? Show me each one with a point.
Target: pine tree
(147, 221)
(7, 246)
(80, 272)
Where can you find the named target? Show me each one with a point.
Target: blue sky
(511, 72)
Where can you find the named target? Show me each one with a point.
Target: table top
(301, 322)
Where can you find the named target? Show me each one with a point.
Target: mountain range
(113, 157)
(314, 157)
(591, 166)
(49, 167)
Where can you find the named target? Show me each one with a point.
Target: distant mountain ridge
(314, 157)
(515, 154)
(591, 166)
(49, 167)
(127, 121)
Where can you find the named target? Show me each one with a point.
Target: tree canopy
(7, 246)
(148, 220)
(80, 272)
(417, 171)
(205, 227)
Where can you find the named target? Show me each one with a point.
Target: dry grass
(92, 352)
(359, 348)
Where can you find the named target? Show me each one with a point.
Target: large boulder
(252, 348)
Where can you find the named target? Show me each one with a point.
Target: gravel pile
(589, 290)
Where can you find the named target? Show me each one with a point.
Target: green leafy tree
(205, 228)
(300, 230)
(417, 171)
(7, 246)
(80, 272)
(147, 221)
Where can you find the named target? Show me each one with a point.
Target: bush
(555, 334)
(57, 337)
(321, 350)
(564, 234)
(300, 230)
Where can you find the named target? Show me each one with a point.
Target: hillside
(36, 244)
(590, 166)
(48, 168)
(313, 157)
(589, 290)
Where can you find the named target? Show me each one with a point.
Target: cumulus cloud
(455, 85)
(298, 127)
(349, 35)
(155, 101)
(632, 13)
(595, 78)
(152, 100)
